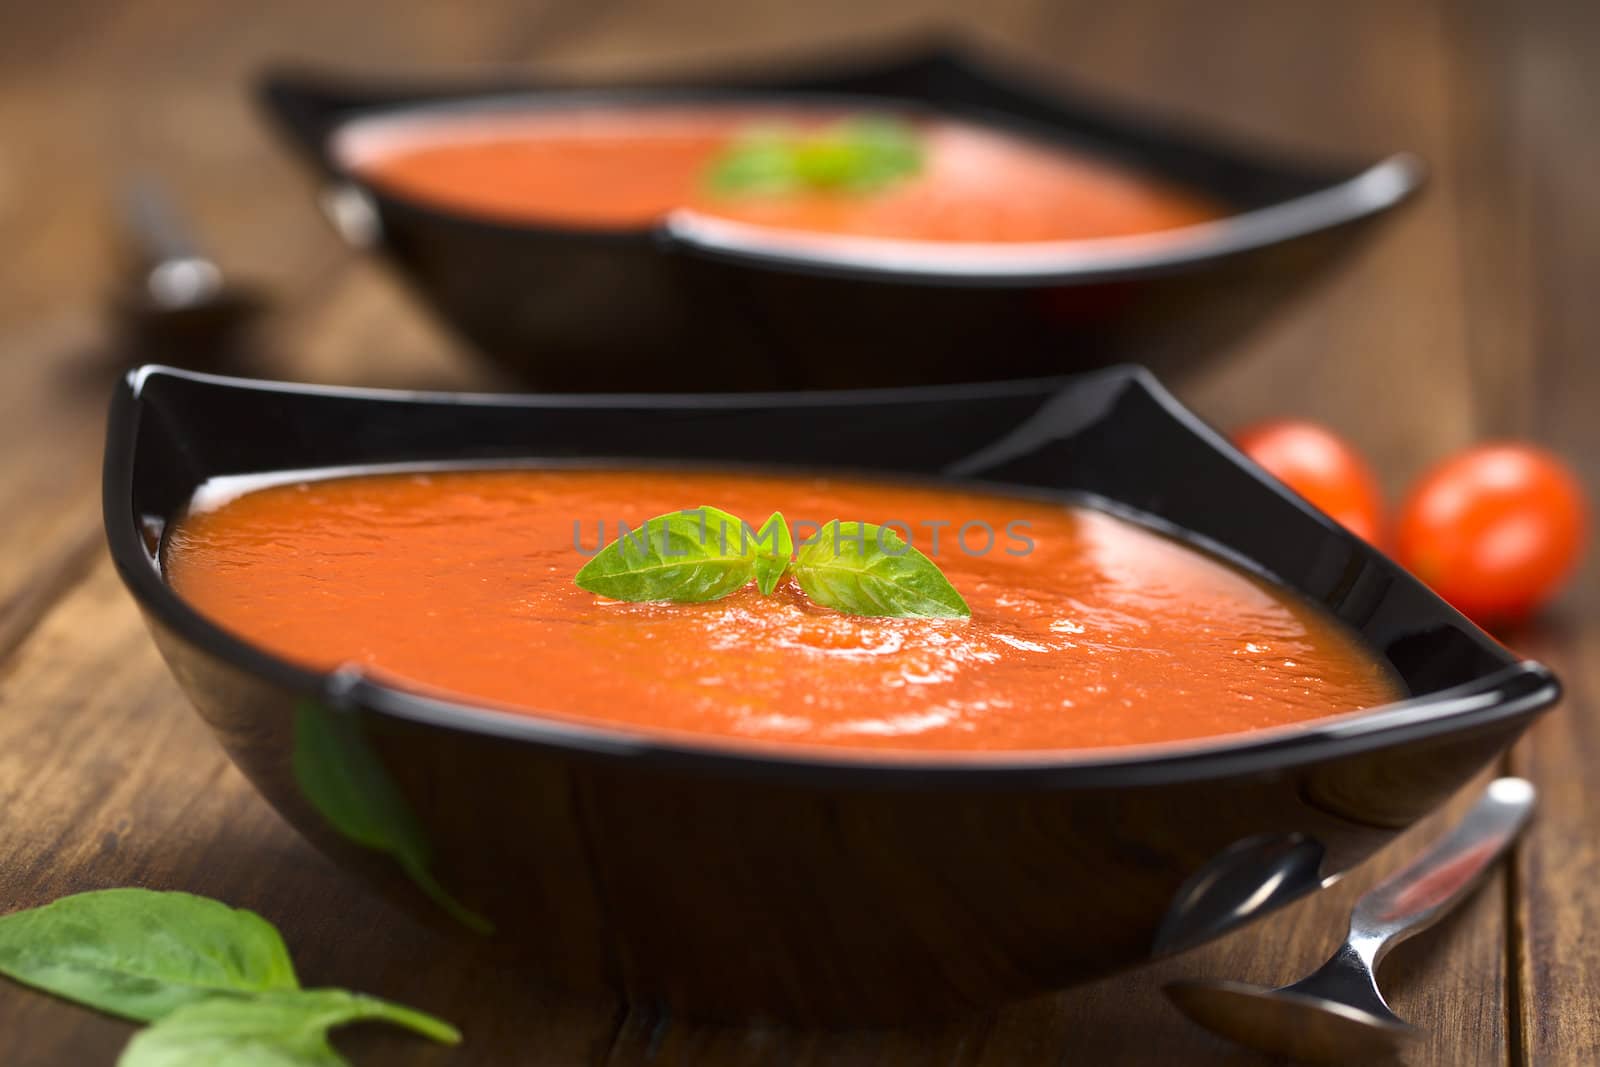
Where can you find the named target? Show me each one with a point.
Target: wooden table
(1473, 315)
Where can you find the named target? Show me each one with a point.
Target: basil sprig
(216, 981)
(854, 155)
(702, 554)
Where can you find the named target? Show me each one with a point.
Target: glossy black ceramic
(687, 305)
(735, 881)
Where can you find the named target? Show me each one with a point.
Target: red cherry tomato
(1320, 466)
(1494, 530)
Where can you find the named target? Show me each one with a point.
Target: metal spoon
(176, 305)
(1337, 1014)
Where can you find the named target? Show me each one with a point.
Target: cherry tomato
(1320, 466)
(1494, 530)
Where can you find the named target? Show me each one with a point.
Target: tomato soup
(593, 167)
(1086, 630)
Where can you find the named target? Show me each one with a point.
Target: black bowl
(692, 305)
(786, 882)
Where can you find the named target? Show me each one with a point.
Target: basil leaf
(863, 153)
(339, 775)
(689, 556)
(857, 154)
(272, 1030)
(871, 570)
(760, 161)
(140, 954)
(774, 551)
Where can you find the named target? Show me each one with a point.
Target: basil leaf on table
(139, 954)
(774, 552)
(339, 776)
(863, 569)
(216, 981)
(694, 555)
(270, 1030)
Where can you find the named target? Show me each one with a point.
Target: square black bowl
(585, 309)
(836, 886)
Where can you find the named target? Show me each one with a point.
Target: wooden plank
(1535, 246)
(51, 412)
(1555, 906)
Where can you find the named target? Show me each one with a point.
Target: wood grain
(1545, 231)
(1471, 315)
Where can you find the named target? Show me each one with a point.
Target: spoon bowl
(1337, 1014)
(1301, 1026)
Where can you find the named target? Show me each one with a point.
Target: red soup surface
(1086, 630)
(602, 168)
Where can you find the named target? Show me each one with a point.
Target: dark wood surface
(1472, 315)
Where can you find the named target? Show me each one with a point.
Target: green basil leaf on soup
(694, 555)
(774, 546)
(140, 954)
(858, 154)
(759, 161)
(861, 153)
(863, 569)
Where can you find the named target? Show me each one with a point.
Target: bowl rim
(1369, 191)
(1517, 688)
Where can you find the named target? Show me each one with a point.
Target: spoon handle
(156, 232)
(1412, 900)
